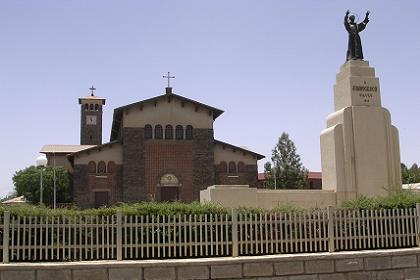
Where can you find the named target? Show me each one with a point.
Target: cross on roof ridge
(92, 88)
(169, 77)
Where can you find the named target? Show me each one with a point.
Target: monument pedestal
(360, 147)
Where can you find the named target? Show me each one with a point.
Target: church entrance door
(169, 187)
(169, 194)
(101, 199)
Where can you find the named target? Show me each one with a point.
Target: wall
(227, 154)
(168, 111)
(85, 185)
(169, 156)
(110, 152)
(60, 160)
(249, 176)
(378, 265)
(243, 195)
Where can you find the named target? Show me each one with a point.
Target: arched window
(232, 167)
(101, 167)
(241, 167)
(96, 107)
(86, 107)
(189, 132)
(158, 132)
(111, 167)
(148, 131)
(92, 167)
(223, 167)
(91, 107)
(169, 132)
(179, 132)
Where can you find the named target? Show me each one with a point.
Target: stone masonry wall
(80, 186)
(133, 165)
(363, 265)
(249, 177)
(203, 160)
(84, 185)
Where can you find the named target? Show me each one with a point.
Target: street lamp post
(275, 177)
(41, 163)
(55, 187)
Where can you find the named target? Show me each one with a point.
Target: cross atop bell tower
(92, 89)
(169, 77)
(91, 118)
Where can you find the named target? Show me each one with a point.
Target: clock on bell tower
(91, 119)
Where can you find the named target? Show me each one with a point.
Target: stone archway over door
(169, 188)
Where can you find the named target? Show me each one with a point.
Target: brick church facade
(162, 148)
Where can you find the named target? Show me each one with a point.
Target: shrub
(398, 200)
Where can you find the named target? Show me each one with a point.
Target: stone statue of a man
(354, 50)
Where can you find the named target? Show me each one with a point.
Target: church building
(162, 148)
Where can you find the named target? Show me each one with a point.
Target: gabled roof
(118, 111)
(96, 147)
(64, 149)
(259, 156)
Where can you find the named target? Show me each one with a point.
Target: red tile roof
(314, 175)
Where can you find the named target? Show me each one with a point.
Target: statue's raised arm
(346, 21)
(354, 50)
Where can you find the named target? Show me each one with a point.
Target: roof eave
(259, 156)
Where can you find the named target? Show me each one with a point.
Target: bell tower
(91, 119)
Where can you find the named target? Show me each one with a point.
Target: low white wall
(243, 195)
(380, 264)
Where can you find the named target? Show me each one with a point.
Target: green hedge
(142, 208)
(395, 201)
(398, 200)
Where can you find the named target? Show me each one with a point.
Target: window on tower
(169, 132)
(96, 107)
(91, 107)
(86, 107)
(179, 132)
(158, 132)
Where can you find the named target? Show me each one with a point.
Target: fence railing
(67, 238)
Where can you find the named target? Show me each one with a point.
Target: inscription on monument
(365, 92)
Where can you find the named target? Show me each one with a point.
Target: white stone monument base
(244, 196)
(360, 148)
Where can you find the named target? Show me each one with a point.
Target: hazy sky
(270, 65)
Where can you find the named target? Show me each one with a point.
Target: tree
(410, 175)
(286, 167)
(27, 183)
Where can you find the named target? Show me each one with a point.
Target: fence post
(6, 230)
(234, 232)
(330, 213)
(418, 224)
(119, 236)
